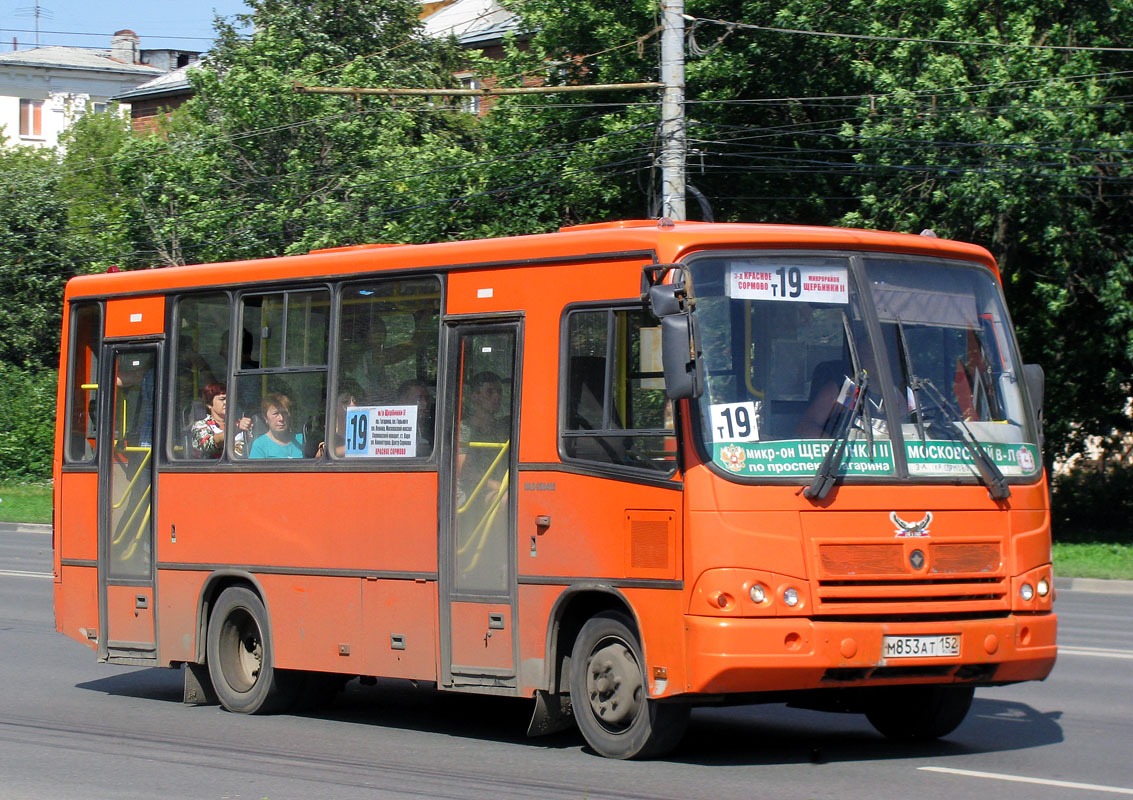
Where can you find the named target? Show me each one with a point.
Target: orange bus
(623, 469)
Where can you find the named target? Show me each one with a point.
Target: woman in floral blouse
(208, 434)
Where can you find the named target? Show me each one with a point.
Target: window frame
(69, 462)
(31, 118)
(236, 371)
(335, 367)
(610, 308)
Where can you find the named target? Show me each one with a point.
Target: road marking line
(1095, 651)
(1089, 787)
(14, 573)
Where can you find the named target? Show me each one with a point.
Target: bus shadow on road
(153, 683)
(775, 734)
(742, 735)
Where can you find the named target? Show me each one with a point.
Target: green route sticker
(930, 459)
(801, 457)
(953, 458)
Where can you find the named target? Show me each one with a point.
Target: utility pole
(674, 145)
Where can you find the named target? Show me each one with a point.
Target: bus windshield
(792, 370)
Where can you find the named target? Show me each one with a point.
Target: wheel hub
(614, 685)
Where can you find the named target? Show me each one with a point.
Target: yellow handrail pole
(491, 467)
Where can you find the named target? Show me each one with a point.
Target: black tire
(609, 693)
(918, 713)
(241, 659)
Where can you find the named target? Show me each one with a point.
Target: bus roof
(661, 240)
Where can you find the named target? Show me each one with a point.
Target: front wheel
(919, 713)
(240, 658)
(610, 695)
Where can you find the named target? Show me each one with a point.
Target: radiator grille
(951, 559)
(875, 578)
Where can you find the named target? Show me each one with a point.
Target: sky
(160, 24)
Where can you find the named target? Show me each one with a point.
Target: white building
(44, 89)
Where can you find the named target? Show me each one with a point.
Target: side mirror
(1035, 379)
(684, 375)
(663, 300)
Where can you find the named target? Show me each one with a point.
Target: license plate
(919, 646)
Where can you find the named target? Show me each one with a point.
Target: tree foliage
(33, 255)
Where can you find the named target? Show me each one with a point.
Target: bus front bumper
(746, 655)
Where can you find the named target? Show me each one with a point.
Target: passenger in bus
(416, 392)
(207, 435)
(346, 399)
(483, 424)
(279, 441)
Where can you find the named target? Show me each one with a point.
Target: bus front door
(125, 499)
(477, 550)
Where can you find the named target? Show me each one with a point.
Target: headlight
(1043, 587)
(1026, 591)
(791, 597)
(758, 594)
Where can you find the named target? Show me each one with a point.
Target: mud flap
(553, 713)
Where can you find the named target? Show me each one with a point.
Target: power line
(875, 38)
(104, 35)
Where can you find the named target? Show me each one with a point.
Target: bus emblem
(911, 530)
(733, 457)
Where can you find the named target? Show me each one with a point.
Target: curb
(1095, 585)
(24, 527)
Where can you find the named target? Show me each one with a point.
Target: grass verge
(1093, 560)
(25, 502)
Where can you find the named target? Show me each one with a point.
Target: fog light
(1044, 587)
(1026, 591)
(758, 594)
(791, 597)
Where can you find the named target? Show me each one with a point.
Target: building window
(31, 118)
(469, 104)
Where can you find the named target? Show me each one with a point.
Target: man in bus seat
(483, 423)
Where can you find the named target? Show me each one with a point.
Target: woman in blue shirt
(279, 442)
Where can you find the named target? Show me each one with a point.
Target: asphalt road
(73, 728)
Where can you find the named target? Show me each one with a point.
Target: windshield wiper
(989, 473)
(826, 475)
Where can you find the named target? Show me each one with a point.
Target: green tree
(252, 167)
(101, 213)
(1026, 150)
(33, 256)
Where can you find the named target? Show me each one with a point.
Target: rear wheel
(610, 695)
(240, 657)
(919, 713)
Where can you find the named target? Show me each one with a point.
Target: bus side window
(82, 386)
(283, 366)
(616, 410)
(388, 348)
(201, 368)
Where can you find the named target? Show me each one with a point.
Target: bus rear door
(126, 503)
